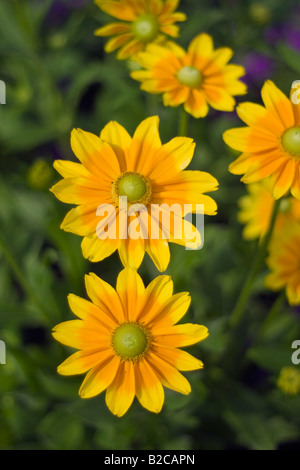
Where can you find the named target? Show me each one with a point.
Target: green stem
(22, 279)
(276, 308)
(238, 311)
(183, 123)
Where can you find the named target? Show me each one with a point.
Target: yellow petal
(130, 288)
(97, 156)
(278, 103)
(149, 389)
(121, 392)
(81, 335)
(81, 361)
(119, 10)
(105, 297)
(179, 335)
(145, 143)
(119, 139)
(69, 169)
(159, 252)
(100, 377)
(96, 250)
(169, 376)
(112, 29)
(81, 220)
(131, 252)
(156, 293)
(284, 179)
(179, 359)
(170, 312)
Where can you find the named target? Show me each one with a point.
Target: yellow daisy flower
(128, 340)
(271, 142)
(149, 175)
(257, 206)
(143, 22)
(284, 262)
(198, 78)
(289, 380)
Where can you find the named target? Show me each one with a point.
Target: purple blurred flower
(292, 37)
(258, 68)
(60, 9)
(288, 32)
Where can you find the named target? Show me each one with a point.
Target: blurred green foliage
(58, 77)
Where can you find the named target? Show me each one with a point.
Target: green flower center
(291, 141)
(146, 28)
(131, 341)
(135, 187)
(190, 76)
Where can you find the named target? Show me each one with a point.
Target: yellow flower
(198, 78)
(271, 142)
(257, 206)
(128, 340)
(289, 380)
(149, 174)
(143, 22)
(284, 263)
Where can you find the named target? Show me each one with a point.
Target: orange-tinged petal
(149, 389)
(117, 41)
(169, 376)
(96, 250)
(83, 308)
(295, 189)
(182, 360)
(284, 179)
(238, 138)
(112, 29)
(179, 335)
(121, 392)
(132, 47)
(156, 293)
(81, 361)
(97, 156)
(196, 104)
(277, 102)
(171, 311)
(130, 289)
(159, 252)
(119, 139)
(100, 377)
(105, 297)
(131, 252)
(80, 220)
(119, 10)
(145, 142)
(81, 335)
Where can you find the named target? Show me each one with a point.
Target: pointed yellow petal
(100, 377)
(121, 392)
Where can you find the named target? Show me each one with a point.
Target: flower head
(271, 142)
(257, 206)
(197, 78)
(289, 380)
(128, 340)
(145, 172)
(284, 262)
(143, 22)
